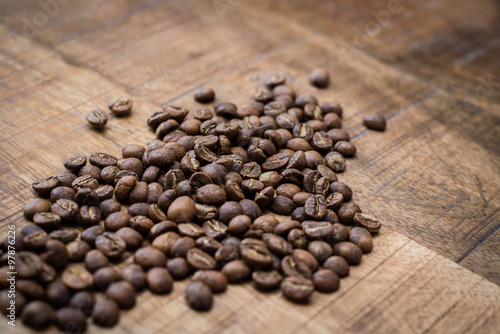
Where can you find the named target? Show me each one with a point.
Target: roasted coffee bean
(338, 265)
(277, 244)
(28, 264)
(319, 77)
(215, 229)
(207, 244)
(181, 210)
(313, 159)
(239, 224)
(159, 280)
(211, 194)
(55, 253)
(95, 260)
(270, 179)
(347, 211)
(227, 253)
(57, 294)
(334, 201)
(134, 275)
(75, 164)
(156, 214)
(71, 318)
(215, 280)
(66, 179)
(320, 250)
(66, 209)
(282, 205)
(76, 277)
(123, 293)
(109, 206)
(340, 233)
(116, 221)
(132, 238)
(303, 132)
(133, 151)
(312, 111)
(315, 207)
(36, 240)
(108, 174)
(154, 192)
(300, 255)
(361, 237)
(181, 246)
(191, 230)
(368, 222)
(236, 271)
(106, 313)
(84, 301)
(265, 223)
(37, 315)
(297, 288)
(250, 208)
(303, 99)
(374, 122)
(349, 251)
(165, 241)
(341, 187)
(90, 170)
(30, 288)
(267, 280)
(157, 118)
(64, 235)
(102, 160)
(89, 235)
(150, 174)
(285, 226)
(47, 220)
(35, 206)
(298, 144)
(203, 114)
(110, 245)
(104, 276)
(77, 250)
(124, 186)
(90, 216)
(45, 186)
(287, 190)
(332, 121)
(295, 267)
(297, 238)
(199, 259)
(161, 228)
(326, 280)
(233, 191)
(86, 196)
(120, 106)
(97, 119)
(199, 296)
(345, 148)
(178, 268)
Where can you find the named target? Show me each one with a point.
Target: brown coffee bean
(297, 238)
(57, 294)
(181, 210)
(159, 280)
(35, 241)
(374, 122)
(45, 186)
(203, 114)
(97, 119)
(76, 277)
(30, 288)
(90, 216)
(191, 230)
(109, 206)
(116, 221)
(181, 246)
(297, 288)
(110, 245)
(338, 265)
(319, 77)
(37, 315)
(284, 227)
(108, 174)
(236, 271)
(215, 280)
(347, 211)
(215, 229)
(349, 251)
(227, 253)
(84, 301)
(239, 224)
(211, 194)
(361, 237)
(120, 106)
(317, 230)
(132, 238)
(368, 222)
(123, 293)
(335, 161)
(250, 208)
(255, 252)
(303, 99)
(75, 164)
(295, 267)
(199, 259)
(64, 235)
(282, 205)
(277, 244)
(66, 209)
(141, 224)
(156, 214)
(326, 280)
(104, 276)
(133, 151)
(347, 149)
(95, 260)
(148, 257)
(28, 264)
(66, 179)
(35, 206)
(334, 201)
(47, 220)
(55, 253)
(106, 313)
(178, 268)
(70, 318)
(320, 250)
(133, 274)
(300, 255)
(199, 296)
(315, 207)
(267, 280)
(332, 121)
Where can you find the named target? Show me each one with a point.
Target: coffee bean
(110, 245)
(345, 148)
(297, 288)
(57, 294)
(120, 106)
(84, 301)
(319, 77)
(64, 235)
(282, 205)
(45, 186)
(284, 227)
(295, 267)
(106, 313)
(55, 253)
(132, 238)
(47, 220)
(71, 318)
(97, 119)
(28, 264)
(178, 268)
(199, 259)
(334, 201)
(236, 271)
(347, 211)
(104, 276)
(35, 206)
(349, 251)
(66, 209)
(37, 315)
(123, 293)
(95, 260)
(215, 280)
(326, 280)
(30, 288)
(297, 238)
(149, 257)
(338, 265)
(76, 277)
(215, 229)
(374, 122)
(361, 237)
(277, 244)
(315, 207)
(133, 274)
(75, 164)
(181, 210)
(320, 250)
(116, 221)
(109, 206)
(368, 222)
(203, 114)
(300, 255)
(159, 280)
(199, 296)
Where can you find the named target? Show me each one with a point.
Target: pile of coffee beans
(233, 194)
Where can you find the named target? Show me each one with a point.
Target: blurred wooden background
(431, 67)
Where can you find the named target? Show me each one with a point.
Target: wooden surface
(433, 177)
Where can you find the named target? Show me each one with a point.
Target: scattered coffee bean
(199, 296)
(159, 280)
(204, 95)
(320, 78)
(97, 119)
(297, 288)
(374, 122)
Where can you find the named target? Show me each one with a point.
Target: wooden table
(431, 67)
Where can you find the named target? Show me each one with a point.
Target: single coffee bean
(111, 245)
(199, 259)
(97, 119)
(123, 293)
(347, 211)
(297, 238)
(191, 230)
(95, 260)
(90, 216)
(199, 296)
(37, 315)
(159, 280)
(108, 174)
(349, 251)
(282, 205)
(255, 253)
(116, 221)
(361, 237)
(239, 224)
(277, 244)
(124, 186)
(84, 301)
(320, 250)
(45, 186)
(345, 148)
(75, 164)
(374, 122)
(109, 206)
(340, 233)
(36, 240)
(35, 206)
(181, 246)
(335, 161)
(295, 267)
(315, 207)
(165, 241)
(300, 255)
(89, 235)
(66, 209)
(156, 214)
(297, 288)
(326, 280)
(181, 210)
(71, 318)
(338, 265)
(55, 253)
(319, 77)
(178, 268)
(104, 276)
(120, 106)
(64, 235)
(149, 257)
(368, 222)
(332, 121)
(132, 238)
(30, 288)
(76, 277)
(284, 227)
(141, 224)
(227, 253)
(161, 228)
(47, 220)
(236, 271)
(133, 151)
(106, 313)
(57, 294)
(105, 192)
(317, 230)
(267, 280)
(28, 264)
(133, 274)
(215, 280)
(203, 114)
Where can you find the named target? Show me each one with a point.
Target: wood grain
(433, 176)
